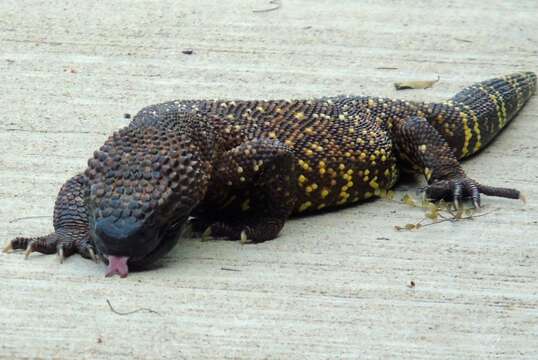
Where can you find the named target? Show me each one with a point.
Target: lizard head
(144, 182)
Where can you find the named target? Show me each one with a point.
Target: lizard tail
(478, 113)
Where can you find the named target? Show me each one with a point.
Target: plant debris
(436, 213)
(188, 51)
(419, 84)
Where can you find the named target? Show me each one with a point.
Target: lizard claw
(93, 256)
(8, 247)
(475, 196)
(243, 238)
(187, 231)
(206, 235)
(29, 250)
(456, 194)
(61, 255)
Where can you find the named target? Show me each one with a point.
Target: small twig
(28, 218)
(130, 312)
(277, 3)
(463, 40)
(229, 269)
(454, 219)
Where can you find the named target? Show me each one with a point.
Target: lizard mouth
(117, 265)
(120, 265)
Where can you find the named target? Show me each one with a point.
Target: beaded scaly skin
(239, 169)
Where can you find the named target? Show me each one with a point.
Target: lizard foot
(63, 245)
(463, 188)
(196, 228)
(247, 231)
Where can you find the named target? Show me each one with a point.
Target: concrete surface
(331, 286)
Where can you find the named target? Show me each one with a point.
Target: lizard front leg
(419, 143)
(71, 233)
(263, 171)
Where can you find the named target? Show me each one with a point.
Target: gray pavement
(331, 286)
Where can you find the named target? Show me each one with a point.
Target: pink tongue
(117, 265)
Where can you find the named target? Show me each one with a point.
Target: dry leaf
(410, 226)
(432, 214)
(408, 200)
(419, 84)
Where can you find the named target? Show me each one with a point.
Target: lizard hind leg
(419, 142)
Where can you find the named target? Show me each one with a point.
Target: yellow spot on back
(245, 205)
(305, 206)
(299, 115)
(324, 193)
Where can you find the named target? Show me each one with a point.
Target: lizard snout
(125, 237)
